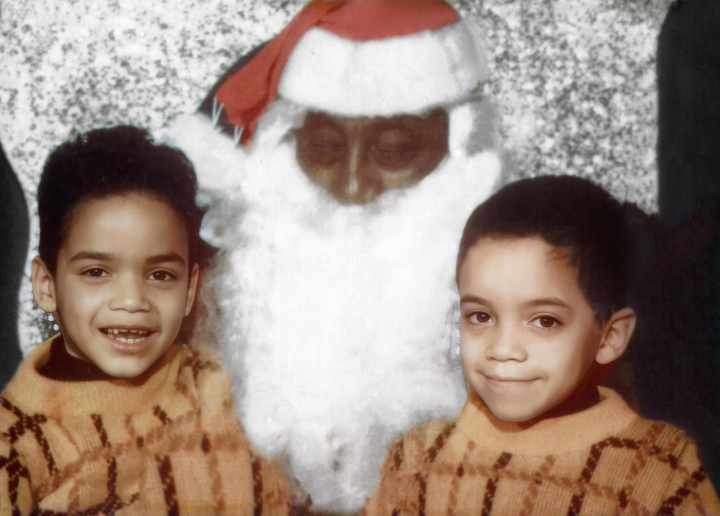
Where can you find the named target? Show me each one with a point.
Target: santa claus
(340, 162)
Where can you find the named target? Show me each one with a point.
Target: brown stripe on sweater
(112, 462)
(492, 482)
(216, 481)
(623, 499)
(672, 502)
(112, 475)
(591, 465)
(422, 493)
(528, 503)
(430, 457)
(168, 482)
(576, 504)
(161, 415)
(439, 443)
(699, 475)
(642, 453)
(459, 474)
(29, 423)
(398, 455)
(585, 477)
(257, 487)
(15, 471)
(197, 365)
(97, 421)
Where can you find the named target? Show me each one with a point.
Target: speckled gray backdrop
(575, 79)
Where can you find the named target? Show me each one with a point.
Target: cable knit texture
(167, 442)
(605, 460)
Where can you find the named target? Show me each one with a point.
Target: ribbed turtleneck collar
(568, 432)
(56, 398)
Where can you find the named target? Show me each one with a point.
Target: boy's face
(528, 335)
(122, 284)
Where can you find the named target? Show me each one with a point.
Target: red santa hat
(359, 58)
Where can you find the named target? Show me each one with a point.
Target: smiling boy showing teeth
(541, 273)
(128, 336)
(113, 416)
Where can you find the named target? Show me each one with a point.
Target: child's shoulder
(199, 361)
(204, 372)
(661, 437)
(14, 399)
(420, 444)
(431, 433)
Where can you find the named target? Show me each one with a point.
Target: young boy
(111, 416)
(541, 274)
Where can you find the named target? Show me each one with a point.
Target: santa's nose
(357, 179)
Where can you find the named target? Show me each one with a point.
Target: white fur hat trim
(406, 74)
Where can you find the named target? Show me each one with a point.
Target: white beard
(337, 321)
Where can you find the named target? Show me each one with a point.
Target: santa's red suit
(338, 319)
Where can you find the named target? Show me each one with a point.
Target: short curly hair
(570, 213)
(113, 161)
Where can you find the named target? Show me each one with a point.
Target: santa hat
(359, 58)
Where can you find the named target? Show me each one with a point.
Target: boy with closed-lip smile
(113, 415)
(541, 273)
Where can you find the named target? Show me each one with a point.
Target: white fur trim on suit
(407, 74)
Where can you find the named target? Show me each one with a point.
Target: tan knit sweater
(168, 442)
(604, 460)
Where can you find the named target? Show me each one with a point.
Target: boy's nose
(503, 345)
(130, 296)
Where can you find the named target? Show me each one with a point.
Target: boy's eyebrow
(472, 298)
(163, 258)
(92, 255)
(544, 301)
(107, 257)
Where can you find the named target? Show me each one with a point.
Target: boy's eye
(545, 321)
(479, 317)
(95, 273)
(162, 276)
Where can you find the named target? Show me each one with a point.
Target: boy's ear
(192, 288)
(43, 286)
(616, 335)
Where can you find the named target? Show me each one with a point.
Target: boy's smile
(528, 334)
(123, 283)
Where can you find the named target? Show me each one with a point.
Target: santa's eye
(395, 148)
(479, 317)
(320, 146)
(323, 144)
(545, 321)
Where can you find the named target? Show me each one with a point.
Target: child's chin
(517, 416)
(125, 371)
(126, 375)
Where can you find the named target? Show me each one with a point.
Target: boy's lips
(507, 381)
(128, 339)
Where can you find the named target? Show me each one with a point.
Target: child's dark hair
(570, 213)
(113, 161)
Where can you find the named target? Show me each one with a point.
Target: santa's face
(357, 159)
(337, 317)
